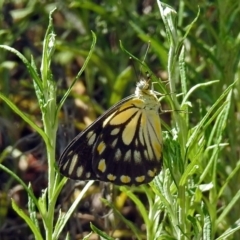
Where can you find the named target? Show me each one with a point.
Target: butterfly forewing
(123, 146)
(76, 160)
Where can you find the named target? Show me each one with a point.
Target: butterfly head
(144, 92)
(143, 87)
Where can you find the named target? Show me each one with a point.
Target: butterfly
(123, 146)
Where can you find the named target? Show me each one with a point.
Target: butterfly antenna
(138, 74)
(143, 61)
(134, 67)
(148, 47)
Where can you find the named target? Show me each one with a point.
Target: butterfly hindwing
(76, 160)
(124, 152)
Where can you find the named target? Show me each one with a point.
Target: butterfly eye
(123, 146)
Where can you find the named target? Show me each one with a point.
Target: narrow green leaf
(63, 218)
(100, 233)
(79, 73)
(29, 191)
(30, 69)
(32, 210)
(24, 117)
(29, 222)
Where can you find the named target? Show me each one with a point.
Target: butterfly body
(123, 146)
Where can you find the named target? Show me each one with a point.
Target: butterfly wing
(129, 150)
(123, 146)
(76, 160)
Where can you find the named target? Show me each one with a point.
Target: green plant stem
(50, 124)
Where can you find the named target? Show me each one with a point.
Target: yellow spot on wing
(157, 150)
(72, 164)
(125, 179)
(132, 102)
(127, 157)
(79, 171)
(111, 177)
(114, 143)
(123, 116)
(102, 165)
(115, 120)
(101, 147)
(130, 128)
(151, 173)
(154, 129)
(143, 126)
(118, 155)
(70, 153)
(88, 175)
(156, 123)
(115, 131)
(144, 130)
(137, 156)
(140, 179)
(107, 119)
(91, 137)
